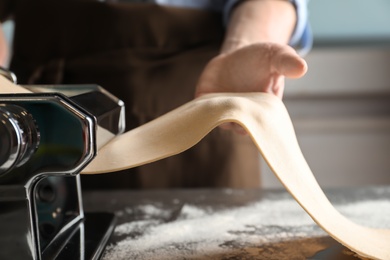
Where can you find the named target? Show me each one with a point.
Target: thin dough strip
(267, 121)
(7, 87)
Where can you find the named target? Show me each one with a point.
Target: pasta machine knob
(19, 137)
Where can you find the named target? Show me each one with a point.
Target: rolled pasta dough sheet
(267, 121)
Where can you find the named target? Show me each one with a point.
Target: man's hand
(255, 56)
(259, 67)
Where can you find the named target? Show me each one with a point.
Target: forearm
(256, 21)
(3, 48)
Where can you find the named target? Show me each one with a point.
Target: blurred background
(341, 108)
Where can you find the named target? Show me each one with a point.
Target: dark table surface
(230, 224)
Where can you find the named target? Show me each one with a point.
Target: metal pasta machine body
(46, 138)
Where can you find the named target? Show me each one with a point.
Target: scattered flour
(200, 233)
(375, 214)
(192, 212)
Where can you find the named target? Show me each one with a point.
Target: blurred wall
(341, 108)
(335, 20)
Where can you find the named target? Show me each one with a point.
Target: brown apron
(149, 56)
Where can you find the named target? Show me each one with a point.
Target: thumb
(288, 63)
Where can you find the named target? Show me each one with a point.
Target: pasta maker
(46, 138)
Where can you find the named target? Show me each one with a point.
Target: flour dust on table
(259, 230)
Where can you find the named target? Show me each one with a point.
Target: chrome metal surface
(67, 142)
(108, 109)
(47, 138)
(19, 136)
(8, 74)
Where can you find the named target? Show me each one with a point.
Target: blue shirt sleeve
(301, 39)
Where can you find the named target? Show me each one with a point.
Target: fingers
(260, 67)
(278, 86)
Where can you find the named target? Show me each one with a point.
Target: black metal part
(90, 239)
